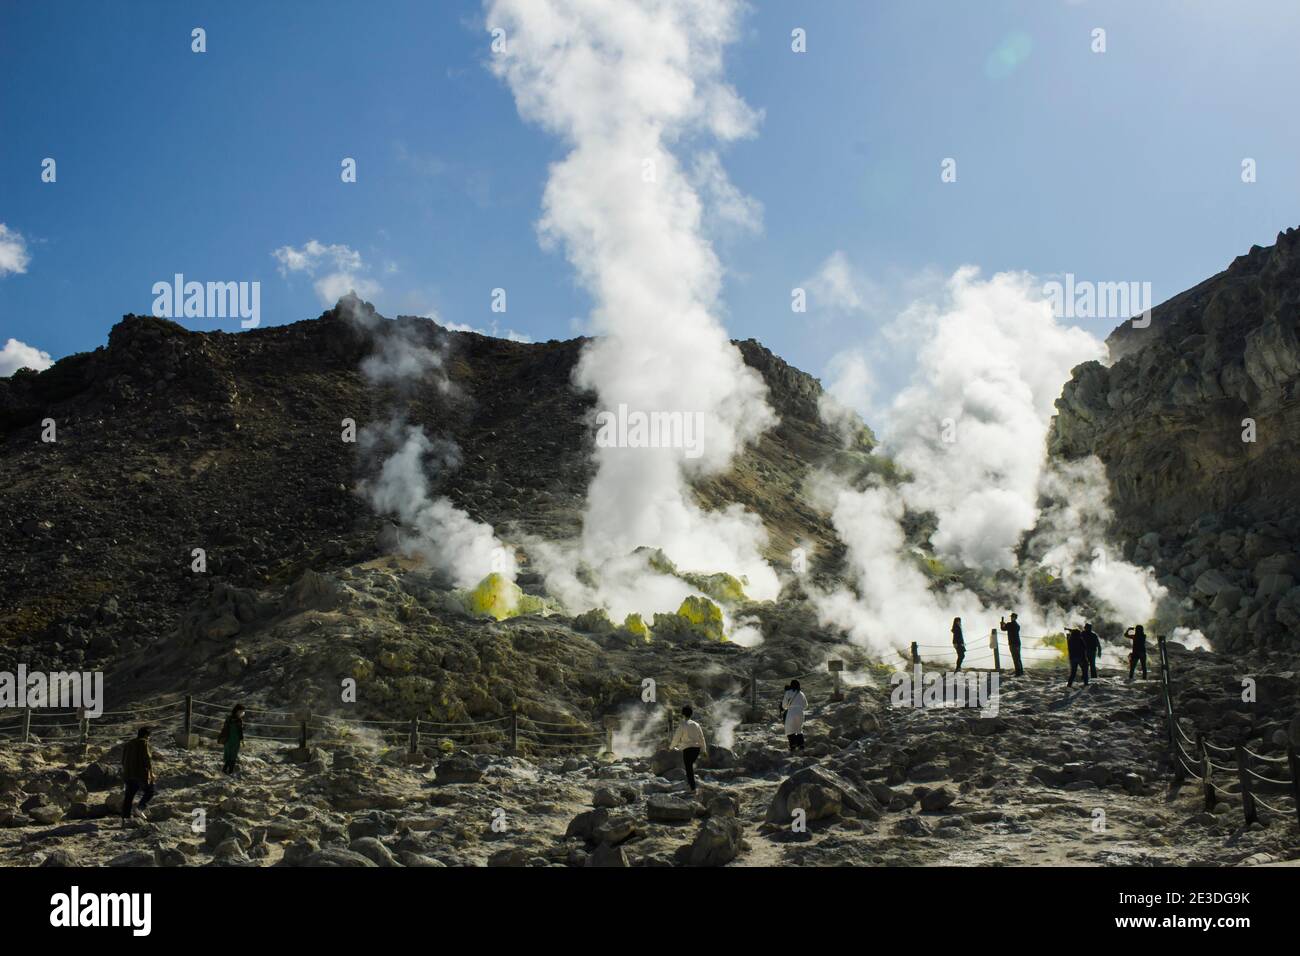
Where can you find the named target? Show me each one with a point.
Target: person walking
(1012, 628)
(137, 772)
(793, 705)
(1078, 652)
(1092, 646)
(1139, 652)
(232, 736)
(958, 642)
(689, 739)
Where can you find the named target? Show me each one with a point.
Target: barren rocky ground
(1060, 775)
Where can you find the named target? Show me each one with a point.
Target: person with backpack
(958, 641)
(689, 739)
(1078, 651)
(137, 772)
(232, 736)
(1092, 647)
(793, 705)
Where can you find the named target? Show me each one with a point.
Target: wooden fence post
(1207, 771)
(188, 730)
(916, 655)
(1294, 761)
(302, 731)
(1248, 808)
(27, 724)
(83, 725)
(997, 656)
(414, 746)
(835, 667)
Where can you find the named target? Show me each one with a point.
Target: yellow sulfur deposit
(704, 616)
(495, 596)
(637, 626)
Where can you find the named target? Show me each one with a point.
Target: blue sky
(1124, 165)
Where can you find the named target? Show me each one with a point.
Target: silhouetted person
(689, 739)
(137, 771)
(793, 705)
(1092, 646)
(1078, 651)
(958, 641)
(1012, 627)
(232, 735)
(1139, 652)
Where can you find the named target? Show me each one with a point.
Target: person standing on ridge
(1092, 645)
(231, 736)
(1139, 652)
(1074, 643)
(793, 705)
(1012, 627)
(689, 739)
(958, 642)
(137, 771)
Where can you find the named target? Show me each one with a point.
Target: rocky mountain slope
(1197, 421)
(170, 440)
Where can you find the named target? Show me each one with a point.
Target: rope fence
(1197, 764)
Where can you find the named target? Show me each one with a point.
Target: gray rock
(374, 851)
(337, 856)
(662, 808)
(718, 842)
(851, 799)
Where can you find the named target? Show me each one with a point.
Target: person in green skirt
(232, 735)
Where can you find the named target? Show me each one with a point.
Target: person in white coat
(793, 705)
(689, 739)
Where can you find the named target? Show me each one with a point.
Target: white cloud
(13, 253)
(342, 267)
(837, 287)
(16, 355)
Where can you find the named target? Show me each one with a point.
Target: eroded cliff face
(1197, 421)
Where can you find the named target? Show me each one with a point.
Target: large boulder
(457, 769)
(850, 797)
(663, 808)
(719, 841)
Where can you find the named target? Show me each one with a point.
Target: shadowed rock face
(170, 440)
(1167, 419)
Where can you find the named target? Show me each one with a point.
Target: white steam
(623, 84)
(969, 431)
(448, 540)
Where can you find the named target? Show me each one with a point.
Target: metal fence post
(1206, 771)
(1248, 809)
(1294, 761)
